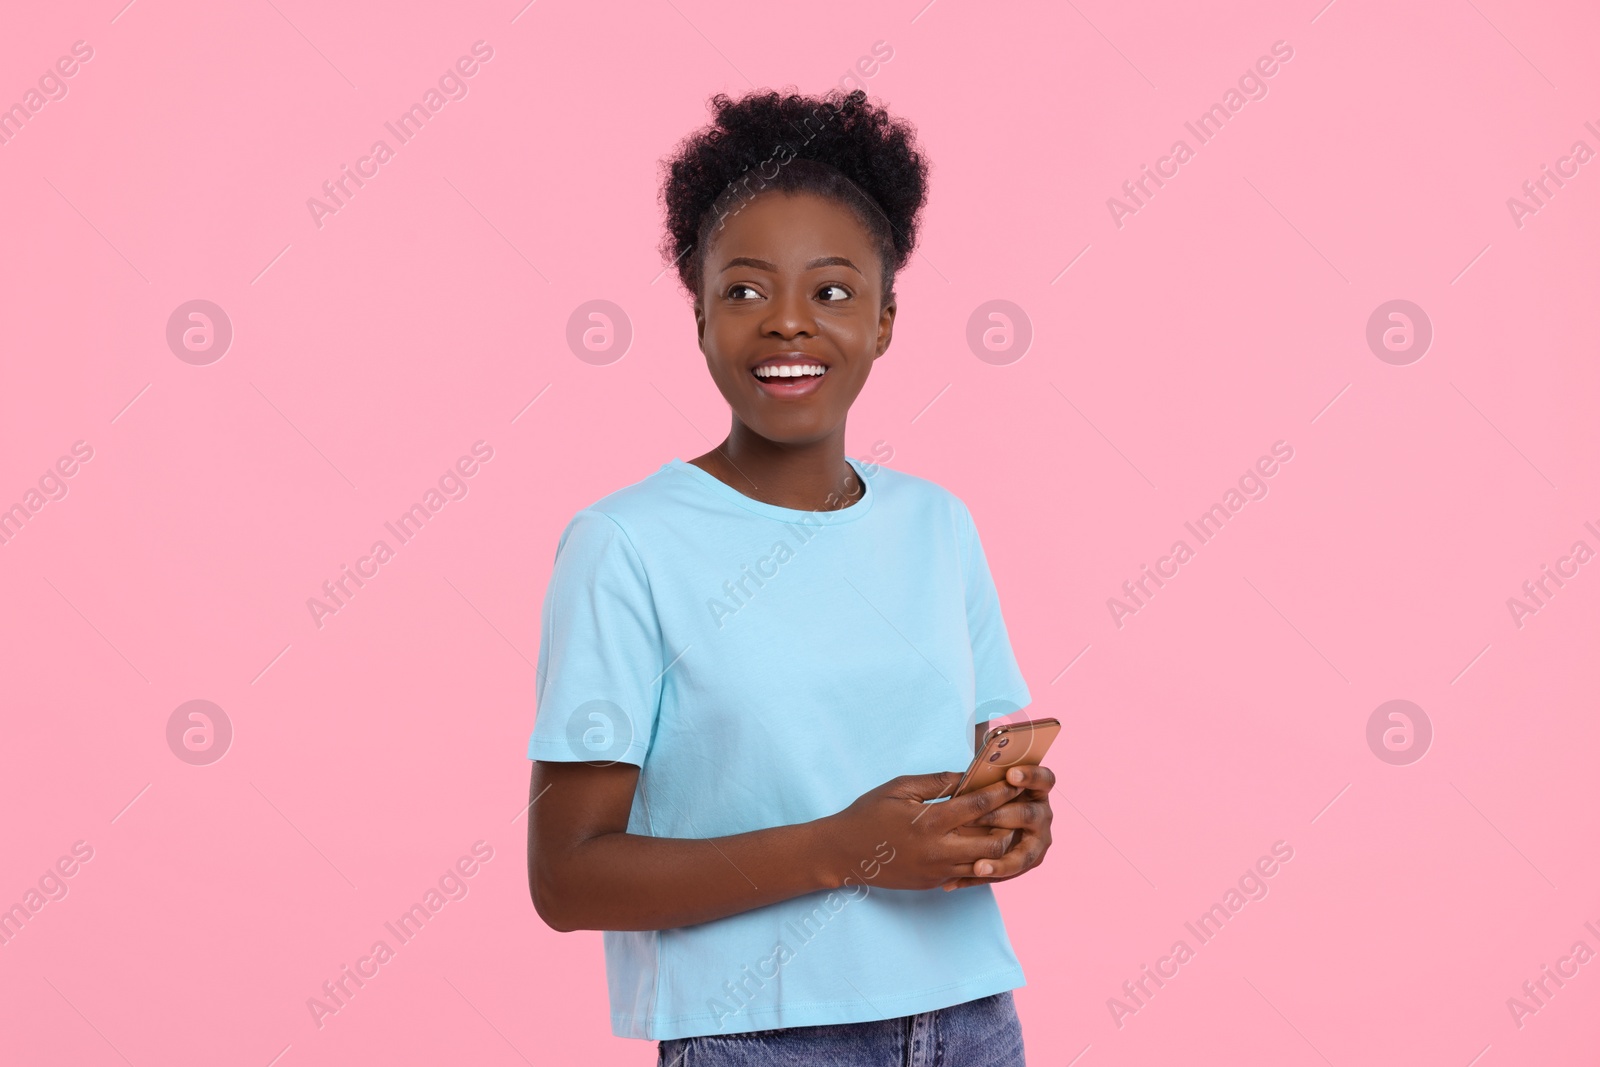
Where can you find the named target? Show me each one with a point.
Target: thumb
(925, 786)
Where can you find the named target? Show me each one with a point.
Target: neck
(808, 477)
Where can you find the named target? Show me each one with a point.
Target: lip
(786, 388)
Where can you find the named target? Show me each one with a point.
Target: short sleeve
(999, 686)
(598, 685)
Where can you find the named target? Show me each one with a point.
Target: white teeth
(812, 369)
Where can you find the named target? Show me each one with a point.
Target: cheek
(722, 345)
(856, 334)
(716, 341)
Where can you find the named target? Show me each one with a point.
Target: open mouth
(787, 380)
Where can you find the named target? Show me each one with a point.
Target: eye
(737, 286)
(837, 286)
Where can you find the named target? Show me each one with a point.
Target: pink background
(369, 354)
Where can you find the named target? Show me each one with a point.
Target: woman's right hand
(890, 838)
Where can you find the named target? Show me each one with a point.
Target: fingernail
(984, 868)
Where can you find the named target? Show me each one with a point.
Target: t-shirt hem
(823, 1012)
(561, 752)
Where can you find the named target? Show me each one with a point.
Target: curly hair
(836, 145)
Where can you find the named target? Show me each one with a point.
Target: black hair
(836, 145)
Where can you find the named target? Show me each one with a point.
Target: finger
(961, 810)
(970, 877)
(1038, 779)
(962, 883)
(962, 848)
(924, 786)
(1019, 814)
(1025, 855)
(986, 832)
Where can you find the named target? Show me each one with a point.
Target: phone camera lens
(1003, 742)
(994, 756)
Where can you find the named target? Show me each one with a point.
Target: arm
(586, 872)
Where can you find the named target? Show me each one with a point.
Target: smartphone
(1005, 747)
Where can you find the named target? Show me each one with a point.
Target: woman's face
(792, 280)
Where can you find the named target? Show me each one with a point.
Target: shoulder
(924, 497)
(608, 529)
(631, 507)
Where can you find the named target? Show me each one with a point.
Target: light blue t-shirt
(766, 666)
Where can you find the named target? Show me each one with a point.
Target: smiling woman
(793, 284)
(747, 772)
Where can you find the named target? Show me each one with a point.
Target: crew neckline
(772, 511)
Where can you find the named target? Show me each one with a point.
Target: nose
(788, 314)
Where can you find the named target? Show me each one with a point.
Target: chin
(789, 432)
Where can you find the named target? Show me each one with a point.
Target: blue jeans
(980, 1033)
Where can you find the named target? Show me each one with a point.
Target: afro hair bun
(837, 145)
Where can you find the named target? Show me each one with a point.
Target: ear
(699, 322)
(885, 327)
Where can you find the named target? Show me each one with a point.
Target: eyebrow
(761, 264)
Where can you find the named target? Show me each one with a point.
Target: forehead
(789, 228)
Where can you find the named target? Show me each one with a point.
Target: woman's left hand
(1028, 813)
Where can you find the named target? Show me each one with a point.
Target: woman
(757, 666)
